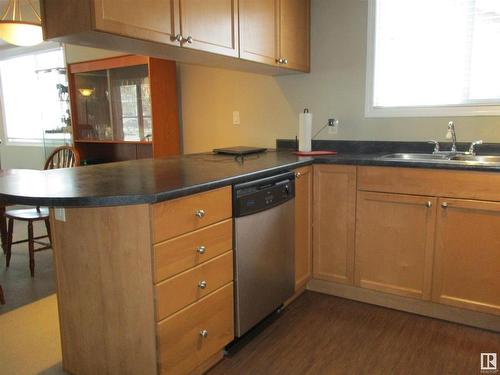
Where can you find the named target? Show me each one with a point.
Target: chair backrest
(63, 157)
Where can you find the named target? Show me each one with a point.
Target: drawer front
(182, 215)
(187, 251)
(181, 345)
(430, 182)
(192, 285)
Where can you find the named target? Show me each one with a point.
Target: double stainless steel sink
(445, 157)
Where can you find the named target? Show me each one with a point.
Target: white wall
(269, 106)
(335, 87)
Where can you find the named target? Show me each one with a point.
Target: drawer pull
(200, 214)
(204, 333)
(298, 174)
(201, 249)
(428, 204)
(202, 284)
(444, 205)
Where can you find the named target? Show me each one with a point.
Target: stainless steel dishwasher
(264, 227)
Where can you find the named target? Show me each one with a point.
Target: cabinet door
(303, 226)
(211, 26)
(259, 30)
(394, 243)
(152, 20)
(333, 222)
(294, 33)
(467, 262)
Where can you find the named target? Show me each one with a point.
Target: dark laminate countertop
(138, 181)
(149, 181)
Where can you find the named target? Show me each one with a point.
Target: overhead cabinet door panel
(152, 20)
(210, 26)
(294, 34)
(259, 30)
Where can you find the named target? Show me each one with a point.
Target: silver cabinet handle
(298, 174)
(285, 61)
(428, 204)
(201, 249)
(202, 284)
(188, 40)
(204, 333)
(279, 61)
(444, 205)
(200, 214)
(178, 38)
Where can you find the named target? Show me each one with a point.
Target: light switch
(60, 213)
(236, 117)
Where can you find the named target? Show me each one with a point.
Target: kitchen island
(143, 249)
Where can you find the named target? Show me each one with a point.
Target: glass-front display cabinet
(124, 108)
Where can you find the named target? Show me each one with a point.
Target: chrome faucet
(436, 146)
(453, 134)
(472, 148)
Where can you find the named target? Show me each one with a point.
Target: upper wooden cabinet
(275, 32)
(467, 260)
(294, 34)
(155, 20)
(303, 225)
(395, 243)
(334, 222)
(259, 30)
(210, 26)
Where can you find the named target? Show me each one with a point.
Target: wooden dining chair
(62, 157)
(2, 298)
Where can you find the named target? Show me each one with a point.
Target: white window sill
(444, 111)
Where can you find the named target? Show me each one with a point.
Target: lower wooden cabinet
(334, 222)
(193, 335)
(467, 260)
(394, 243)
(303, 225)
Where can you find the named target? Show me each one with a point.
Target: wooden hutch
(124, 108)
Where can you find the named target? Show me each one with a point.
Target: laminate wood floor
(320, 334)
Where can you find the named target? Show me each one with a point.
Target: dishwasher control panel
(255, 196)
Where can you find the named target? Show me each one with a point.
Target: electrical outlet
(333, 126)
(60, 214)
(236, 117)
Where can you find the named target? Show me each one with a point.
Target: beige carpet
(29, 339)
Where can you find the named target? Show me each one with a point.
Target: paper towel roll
(305, 129)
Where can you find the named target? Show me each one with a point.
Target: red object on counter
(314, 153)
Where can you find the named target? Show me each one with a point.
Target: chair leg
(31, 248)
(47, 225)
(2, 298)
(3, 229)
(10, 232)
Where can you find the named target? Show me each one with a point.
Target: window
(34, 96)
(433, 58)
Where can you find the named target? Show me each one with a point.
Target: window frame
(371, 111)
(17, 52)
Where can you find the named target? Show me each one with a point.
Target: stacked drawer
(193, 275)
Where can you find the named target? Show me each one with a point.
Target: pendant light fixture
(14, 30)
